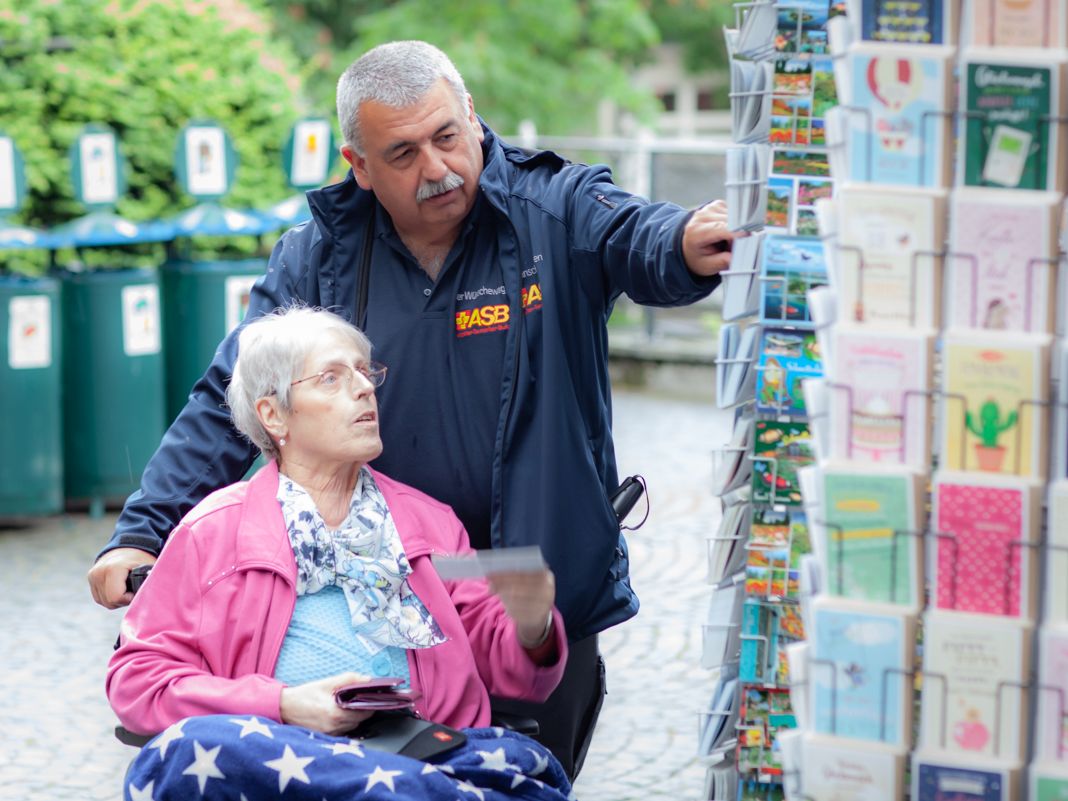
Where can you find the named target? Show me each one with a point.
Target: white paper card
(29, 335)
(480, 564)
(140, 319)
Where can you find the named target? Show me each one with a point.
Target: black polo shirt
(443, 342)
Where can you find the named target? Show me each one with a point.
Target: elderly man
(485, 276)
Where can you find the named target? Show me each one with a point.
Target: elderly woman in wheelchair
(315, 576)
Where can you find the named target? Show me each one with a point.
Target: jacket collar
(261, 532)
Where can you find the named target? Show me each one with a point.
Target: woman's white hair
(396, 74)
(270, 355)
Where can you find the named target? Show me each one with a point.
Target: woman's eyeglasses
(344, 376)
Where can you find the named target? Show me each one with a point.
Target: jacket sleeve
(503, 664)
(634, 246)
(159, 675)
(201, 451)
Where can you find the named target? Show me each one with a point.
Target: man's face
(416, 158)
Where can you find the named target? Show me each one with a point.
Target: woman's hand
(312, 705)
(528, 600)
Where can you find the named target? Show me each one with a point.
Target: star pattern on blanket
(168, 736)
(380, 776)
(220, 757)
(290, 766)
(252, 725)
(203, 765)
(144, 794)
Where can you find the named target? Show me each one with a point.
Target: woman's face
(333, 418)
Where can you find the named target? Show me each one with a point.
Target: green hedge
(146, 68)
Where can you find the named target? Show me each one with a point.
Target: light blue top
(321, 642)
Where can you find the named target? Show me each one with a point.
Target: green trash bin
(113, 381)
(31, 421)
(202, 302)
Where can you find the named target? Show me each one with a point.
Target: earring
(281, 441)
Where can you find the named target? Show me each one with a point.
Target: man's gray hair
(270, 355)
(396, 74)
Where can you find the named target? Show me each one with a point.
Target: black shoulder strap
(363, 277)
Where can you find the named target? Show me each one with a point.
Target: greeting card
(890, 243)
(779, 450)
(779, 537)
(797, 181)
(803, 90)
(979, 704)
(851, 770)
(1051, 722)
(899, 125)
(1011, 100)
(984, 529)
(1055, 558)
(860, 655)
(949, 777)
(790, 267)
(1002, 259)
(871, 524)
(787, 357)
(879, 396)
(1048, 781)
(914, 22)
(994, 413)
(1017, 23)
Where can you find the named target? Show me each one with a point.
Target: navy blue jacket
(554, 462)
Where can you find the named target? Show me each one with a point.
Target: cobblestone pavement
(57, 738)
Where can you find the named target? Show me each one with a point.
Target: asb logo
(495, 317)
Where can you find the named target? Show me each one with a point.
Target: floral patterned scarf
(365, 558)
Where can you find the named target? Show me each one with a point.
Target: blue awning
(104, 228)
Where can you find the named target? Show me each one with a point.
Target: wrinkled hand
(706, 240)
(528, 599)
(107, 578)
(312, 705)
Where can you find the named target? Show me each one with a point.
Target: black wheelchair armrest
(516, 723)
(127, 737)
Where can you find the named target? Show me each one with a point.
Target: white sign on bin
(311, 153)
(237, 288)
(8, 194)
(205, 159)
(140, 319)
(29, 335)
(100, 177)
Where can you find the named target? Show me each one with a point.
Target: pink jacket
(203, 635)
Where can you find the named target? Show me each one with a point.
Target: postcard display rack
(782, 83)
(936, 661)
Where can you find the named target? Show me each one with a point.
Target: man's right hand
(107, 578)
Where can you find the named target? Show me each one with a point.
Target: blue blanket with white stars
(249, 759)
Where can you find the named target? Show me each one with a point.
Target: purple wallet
(375, 695)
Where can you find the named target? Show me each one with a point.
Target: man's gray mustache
(432, 189)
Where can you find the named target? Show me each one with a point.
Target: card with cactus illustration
(995, 404)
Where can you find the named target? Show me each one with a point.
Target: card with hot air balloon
(914, 22)
(1011, 101)
(899, 117)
